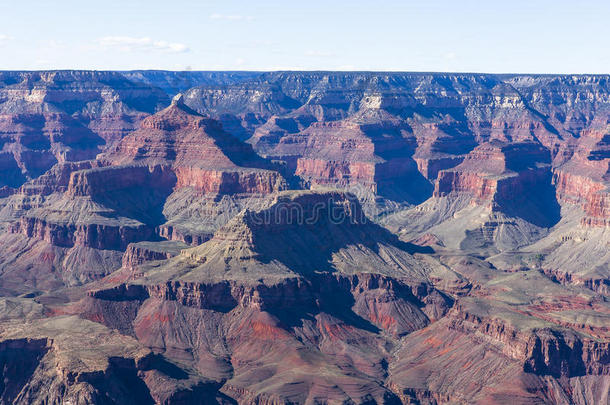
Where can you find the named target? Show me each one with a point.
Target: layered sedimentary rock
(201, 154)
(107, 103)
(153, 256)
(372, 150)
(33, 143)
(204, 163)
(516, 338)
(360, 284)
(68, 359)
(119, 199)
(501, 196)
(578, 107)
(448, 115)
(61, 116)
(584, 187)
(139, 253)
(266, 297)
(515, 178)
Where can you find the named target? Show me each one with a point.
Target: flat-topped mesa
(301, 211)
(298, 233)
(496, 171)
(99, 181)
(56, 179)
(198, 151)
(138, 253)
(305, 259)
(305, 251)
(312, 209)
(297, 210)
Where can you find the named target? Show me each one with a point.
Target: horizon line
(303, 71)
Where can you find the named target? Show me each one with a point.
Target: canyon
(304, 238)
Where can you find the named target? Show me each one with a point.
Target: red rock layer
(328, 172)
(99, 181)
(574, 188)
(198, 152)
(495, 172)
(542, 351)
(453, 181)
(587, 192)
(97, 236)
(229, 181)
(597, 209)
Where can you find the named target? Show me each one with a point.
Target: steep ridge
(201, 153)
(207, 166)
(119, 198)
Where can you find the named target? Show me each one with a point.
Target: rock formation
(304, 237)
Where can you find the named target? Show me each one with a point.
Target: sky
(535, 36)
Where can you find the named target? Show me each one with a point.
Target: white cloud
(5, 38)
(322, 54)
(131, 44)
(228, 17)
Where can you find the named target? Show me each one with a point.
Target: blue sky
(535, 36)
